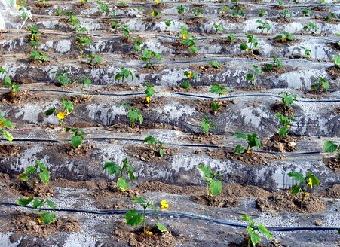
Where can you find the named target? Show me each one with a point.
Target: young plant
(336, 61)
(255, 231)
(149, 92)
(218, 89)
(188, 40)
(134, 218)
(7, 82)
(212, 179)
(287, 99)
(263, 12)
(66, 109)
(78, 136)
(35, 173)
(231, 38)
(148, 56)
(331, 147)
(38, 203)
(286, 14)
(103, 7)
(215, 64)
(123, 74)
(263, 25)
(63, 79)
(285, 124)
(252, 139)
(311, 27)
(250, 45)
(189, 76)
(304, 183)
(284, 37)
(252, 75)
(275, 65)
(181, 9)
(218, 27)
(94, 59)
(135, 116)
(83, 40)
(206, 125)
(198, 12)
(124, 173)
(38, 56)
(155, 145)
(34, 37)
(321, 85)
(6, 124)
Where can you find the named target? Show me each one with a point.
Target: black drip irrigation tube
(180, 215)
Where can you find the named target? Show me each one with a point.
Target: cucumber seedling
(287, 100)
(149, 92)
(189, 77)
(37, 173)
(253, 73)
(155, 145)
(206, 125)
(149, 56)
(135, 116)
(123, 75)
(77, 138)
(322, 85)
(65, 109)
(255, 231)
(8, 83)
(124, 173)
(188, 40)
(252, 139)
(212, 180)
(331, 147)
(250, 45)
(285, 123)
(6, 124)
(38, 56)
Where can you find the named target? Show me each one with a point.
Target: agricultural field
(166, 123)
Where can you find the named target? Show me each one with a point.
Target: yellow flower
(190, 74)
(157, 1)
(148, 99)
(148, 233)
(310, 183)
(61, 115)
(164, 204)
(184, 36)
(2, 124)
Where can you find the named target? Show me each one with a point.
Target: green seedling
(307, 53)
(206, 125)
(63, 79)
(35, 173)
(198, 12)
(218, 27)
(86, 81)
(124, 173)
(94, 59)
(250, 45)
(181, 9)
(287, 99)
(255, 231)
(78, 136)
(275, 65)
(38, 56)
(304, 183)
(38, 203)
(188, 40)
(306, 12)
(215, 64)
(252, 139)
(311, 27)
(6, 124)
(237, 10)
(65, 110)
(231, 38)
(321, 85)
(215, 106)
(148, 56)
(285, 124)
(123, 74)
(336, 61)
(189, 77)
(331, 147)
(218, 89)
(263, 25)
(135, 116)
(8, 83)
(138, 44)
(34, 36)
(284, 37)
(83, 40)
(212, 180)
(103, 7)
(263, 12)
(155, 145)
(286, 14)
(125, 30)
(134, 218)
(252, 75)
(149, 92)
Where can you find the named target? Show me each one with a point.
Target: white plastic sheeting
(12, 15)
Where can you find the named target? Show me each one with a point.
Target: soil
(83, 150)
(206, 139)
(146, 153)
(10, 150)
(138, 238)
(333, 72)
(253, 158)
(285, 201)
(17, 98)
(279, 107)
(276, 143)
(24, 223)
(332, 163)
(205, 105)
(333, 192)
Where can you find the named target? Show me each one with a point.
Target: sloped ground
(253, 184)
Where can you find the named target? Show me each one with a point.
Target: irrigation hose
(180, 215)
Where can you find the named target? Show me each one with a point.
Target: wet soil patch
(138, 238)
(146, 153)
(285, 201)
(27, 224)
(10, 150)
(332, 163)
(21, 97)
(278, 144)
(253, 158)
(333, 72)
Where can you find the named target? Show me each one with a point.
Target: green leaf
(298, 176)
(111, 167)
(37, 203)
(133, 218)
(122, 184)
(76, 141)
(215, 187)
(161, 227)
(239, 149)
(205, 171)
(50, 203)
(264, 230)
(329, 147)
(50, 111)
(241, 135)
(314, 179)
(48, 217)
(24, 201)
(7, 135)
(254, 238)
(44, 176)
(295, 189)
